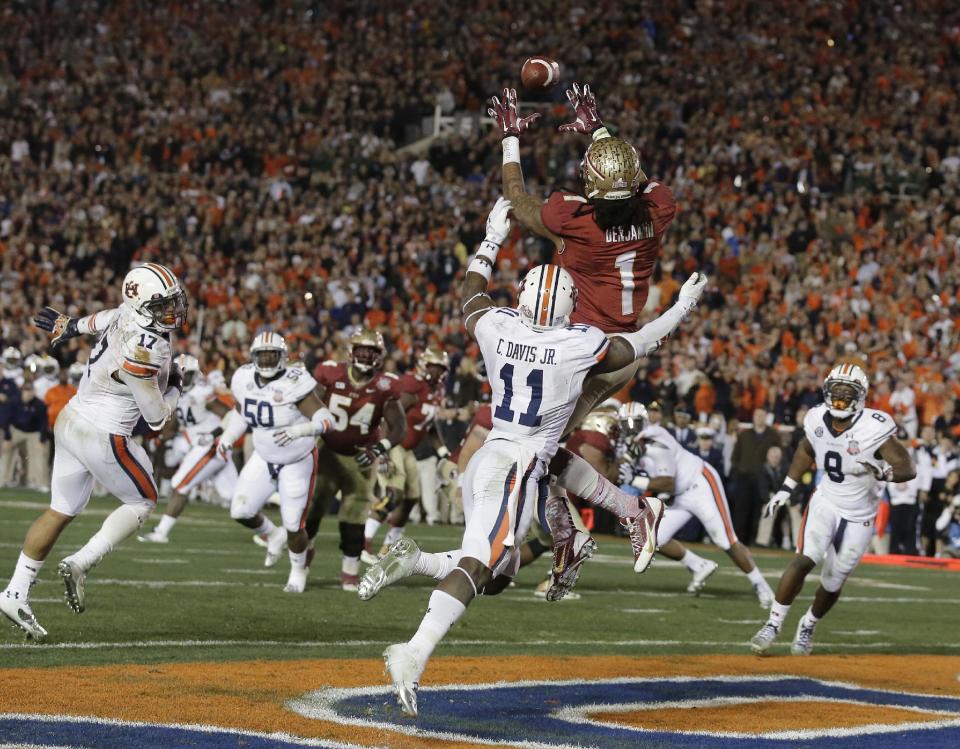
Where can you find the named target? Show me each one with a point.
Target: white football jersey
(847, 484)
(536, 376)
(193, 416)
(664, 456)
(269, 406)
(102, 398)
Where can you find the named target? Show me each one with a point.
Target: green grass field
(197, 633)
(207, 596)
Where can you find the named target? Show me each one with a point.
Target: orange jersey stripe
(141, 479)
(138, 370)
(721, 506)
(204, 459)
(313, 480)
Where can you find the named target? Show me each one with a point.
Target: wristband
(442, 452)
(600, 133)
(480, 265)
(489, 249)
(511, 149)
(788, 485)
(385, 444)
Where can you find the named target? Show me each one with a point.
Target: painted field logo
(717, 711)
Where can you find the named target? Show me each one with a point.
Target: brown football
(540, 72)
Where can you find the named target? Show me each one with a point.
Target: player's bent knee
(351, 539)
(143, 509)
(238, 509)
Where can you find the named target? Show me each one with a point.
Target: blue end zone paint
(89, 733)
(524, 713)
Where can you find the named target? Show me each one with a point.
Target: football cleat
(803, 640)
(260, 539)
(349, 582)
(568, 558)
(21, 616)
(643, 532)
(764, 594)
(275, 543)
(764, 638)
(297, 581)
(74, 583)
(541, 590)
(154, 538)
(700, 576)
(404, 671)
(368, 558)
(395, 565)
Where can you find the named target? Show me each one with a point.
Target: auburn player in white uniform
(855, 448)
(697, 490)
(128, 376)
(282, 407)
(536, 363)
(194, 450)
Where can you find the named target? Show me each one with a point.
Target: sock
(24, 575)
(809, 619)
(437, 566)
(166, 523)
(350, 566)
(757, 578)
(165, 487)
(119, 525)
(559, 518)
(581, 479)
(691, 561)
(442, 613)
(778, 612)
(298, 558)
(393, 535)
(370, 529)
(266, 527)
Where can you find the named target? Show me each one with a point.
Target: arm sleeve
(234, 426)
(97, 322)
(155, 407)
(647, 340)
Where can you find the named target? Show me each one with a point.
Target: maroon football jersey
(483, 418)
(611, 267)
(581, 437)
(357, 409)
(420, 415)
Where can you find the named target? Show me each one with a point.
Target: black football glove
(60, 326)
(371, 455)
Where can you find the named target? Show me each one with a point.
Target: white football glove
(780, 499)
(881, 472)
(223, 450)
(693, 287)
(498, 222)
(625, 472)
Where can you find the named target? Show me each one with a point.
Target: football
(540, 72)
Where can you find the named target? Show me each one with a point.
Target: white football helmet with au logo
(547, 297)
(155, 297)
(268, 352)
(190, 369)
(845, 390)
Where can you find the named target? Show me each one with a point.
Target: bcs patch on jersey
(887, 702)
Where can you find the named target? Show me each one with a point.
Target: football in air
(540, 72)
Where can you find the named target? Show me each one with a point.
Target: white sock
(24, 574)
(393, 535)
(350, 566)
(778, 612)
(165, 525)
(809, 619)
(298, 558)
(756, 577)
(266, 527)
(442, 613)
(165, 487)
(581, 479)
(691, 561)
(437, 566)
(370, 528)
(119, 525)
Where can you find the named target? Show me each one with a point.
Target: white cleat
(368, 558)
(21, 616)
(764, 595)
(297, 582)
(764, 638)
(700, 576)
(154, 538)
(275, 543)
(397, 564)
(404, 671)
(74, 583)
(260, 539)
(803, 640)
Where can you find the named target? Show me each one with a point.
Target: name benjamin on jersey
(629, 233)
(526, 353)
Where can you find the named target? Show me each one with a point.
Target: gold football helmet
(367, 349)
(433, 364)
(611, 170)
(604, 422)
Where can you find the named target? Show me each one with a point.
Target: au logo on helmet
(130, 289)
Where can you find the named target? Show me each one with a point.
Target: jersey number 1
(624, 263)
(530, 417)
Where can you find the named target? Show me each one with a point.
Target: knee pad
(351, 539)
(142, 509)
(238, 509)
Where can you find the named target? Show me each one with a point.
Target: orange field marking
(251, 695)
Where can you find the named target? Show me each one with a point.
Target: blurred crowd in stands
(257, 148)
